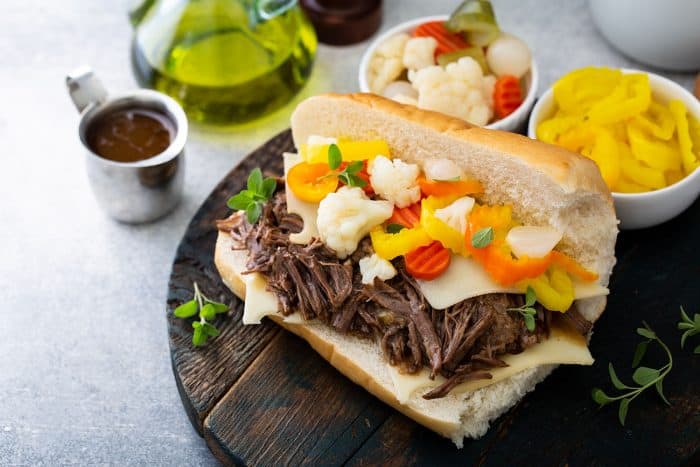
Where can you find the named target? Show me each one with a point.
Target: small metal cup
(132, 192)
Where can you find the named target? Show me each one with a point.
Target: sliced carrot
(507, 95)
(427, 262)
(409, 216)
(449, 188)
(447, 41)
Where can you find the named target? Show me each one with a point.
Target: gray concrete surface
(85, 374)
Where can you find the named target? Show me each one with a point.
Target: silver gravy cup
(132, 192)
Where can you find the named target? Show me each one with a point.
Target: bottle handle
(84, 88)
(268, 9)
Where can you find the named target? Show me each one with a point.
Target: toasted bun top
(545, 184)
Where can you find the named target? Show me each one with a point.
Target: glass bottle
(224, 61)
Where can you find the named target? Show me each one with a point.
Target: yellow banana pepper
(659, 155)
(551, 129)
(390, 246)
(658, 121)
(689, 158)
(636, 173)
(554, 289)
(631, 97)
(578, 90)
(596, 143)
(351, 150)
(436, 228)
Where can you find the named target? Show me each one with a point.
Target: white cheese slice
(465, 278)
(562, 347)
(307, 211)
(259, 302)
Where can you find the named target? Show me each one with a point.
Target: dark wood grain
(262, 396)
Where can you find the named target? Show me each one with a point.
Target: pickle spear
(476, 20)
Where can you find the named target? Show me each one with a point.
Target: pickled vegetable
(639, 143)
(477, 53)
(476, 20)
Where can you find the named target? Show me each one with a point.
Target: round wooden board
(259, 395)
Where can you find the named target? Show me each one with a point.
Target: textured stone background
(85, 373)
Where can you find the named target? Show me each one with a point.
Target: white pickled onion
(508, 55)
(442, 169)
(400, 88)
(532, 241)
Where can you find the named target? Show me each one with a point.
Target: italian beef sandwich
(445, 268)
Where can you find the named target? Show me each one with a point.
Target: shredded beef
(461, 343)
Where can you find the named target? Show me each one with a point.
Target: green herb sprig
(349, 174)
(394, 228)
(528, 311)
(482, 238)
(259, 191)
(207, 309)
(691, 328)
(643, 376)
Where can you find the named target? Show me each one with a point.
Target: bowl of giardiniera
(461, 65)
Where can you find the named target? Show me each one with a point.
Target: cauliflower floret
(457, 90)
(455, 214)
(376, 266)
(395, 181)
(344, 217)
(488, 84)
(419, 53)
(387, 63)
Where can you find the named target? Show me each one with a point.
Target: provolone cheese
(465, 278)
(307, 211)
(562, 347)
(259, 302)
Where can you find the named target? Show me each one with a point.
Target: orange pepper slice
(496, 258)
(309, 182)
(572, 267)
(456, 188)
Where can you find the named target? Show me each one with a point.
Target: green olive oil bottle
(225, 61)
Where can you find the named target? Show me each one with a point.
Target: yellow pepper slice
(635, 172)
(578, 90)
(689, 159)
(390, 246)
(658, 121)
(549, 130)
(596, 143)
(436, 228)
(631, 97)
(554, 289)
(659, 155)
(351, 150)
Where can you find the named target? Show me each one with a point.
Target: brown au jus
(130, 135)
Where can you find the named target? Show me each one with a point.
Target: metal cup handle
(85, 88)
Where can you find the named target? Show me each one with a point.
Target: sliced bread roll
(544, 184)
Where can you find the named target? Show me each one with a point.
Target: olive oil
(220, 65)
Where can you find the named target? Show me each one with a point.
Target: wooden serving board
(261, 396)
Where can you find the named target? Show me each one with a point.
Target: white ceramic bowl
(512, 122)
(662, 34)
(641, 210)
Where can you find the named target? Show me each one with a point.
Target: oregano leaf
(186, 310)
(334, 156)
(639, 353)
(482, 238)
(622, 411)
(615, 380)
(645, 375)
